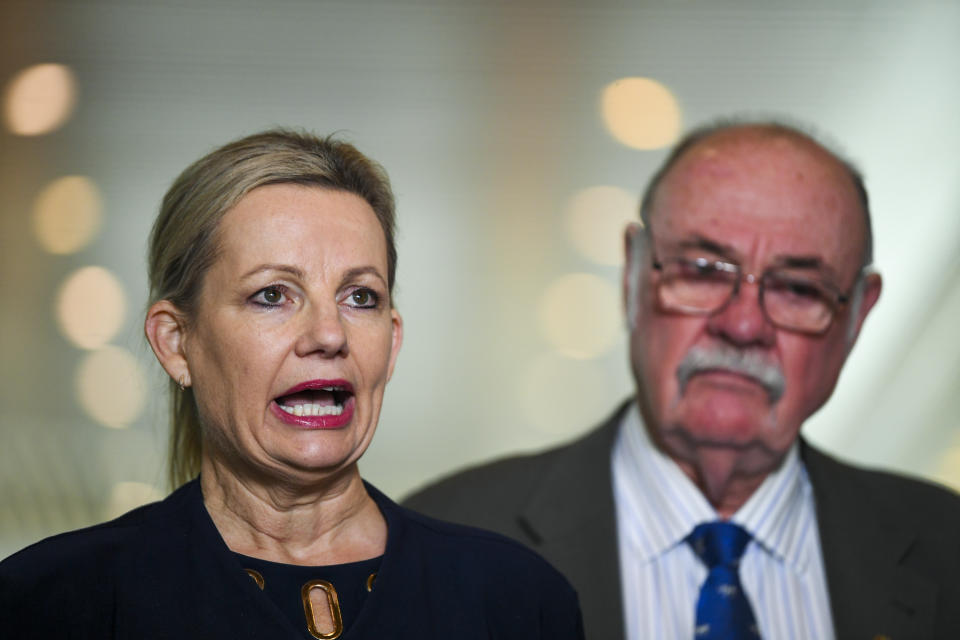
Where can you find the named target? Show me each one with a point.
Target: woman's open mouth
(316, 404)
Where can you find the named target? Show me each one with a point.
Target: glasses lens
(797, 303)
(696, 285)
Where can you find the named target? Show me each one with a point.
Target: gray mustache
(747, 363)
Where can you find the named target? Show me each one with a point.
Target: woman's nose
(322, 333)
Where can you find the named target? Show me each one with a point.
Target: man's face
(758, 201)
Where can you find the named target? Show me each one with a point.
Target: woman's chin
(295, 457)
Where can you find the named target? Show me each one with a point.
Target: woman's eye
(364, 298)
(269, 296)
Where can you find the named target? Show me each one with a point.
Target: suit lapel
(571, 518)
(571, 515)
(872, 593)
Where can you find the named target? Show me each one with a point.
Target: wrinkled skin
(763, 199)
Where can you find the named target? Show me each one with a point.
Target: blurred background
(518, 136)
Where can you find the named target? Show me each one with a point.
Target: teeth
(314, 410)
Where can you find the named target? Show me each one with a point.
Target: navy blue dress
(163, 571)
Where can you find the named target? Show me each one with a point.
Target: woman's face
(294, 337)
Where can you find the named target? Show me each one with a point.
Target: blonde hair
(183, 242)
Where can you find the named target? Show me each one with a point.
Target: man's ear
(633, 255)
(867, 294)
(165, 328)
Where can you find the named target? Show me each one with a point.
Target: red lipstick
(316, 404)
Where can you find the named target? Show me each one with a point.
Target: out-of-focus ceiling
(489, 117)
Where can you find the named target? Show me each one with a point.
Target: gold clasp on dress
(332, 602)
(253, 573)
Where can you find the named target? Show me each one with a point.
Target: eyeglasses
(790, 300)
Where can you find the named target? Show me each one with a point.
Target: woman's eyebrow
(360, 271)
(298, 273)
(286, 268)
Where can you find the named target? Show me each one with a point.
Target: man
(697, 510)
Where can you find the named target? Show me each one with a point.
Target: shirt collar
(779, 514)
(664, 505)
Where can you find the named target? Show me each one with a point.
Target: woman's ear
(165, 328)
(396, 340)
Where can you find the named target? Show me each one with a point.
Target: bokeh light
(948, 468)
(125, 496)
(39, 99)
(641, 113)
(595, 222)
(110, 387)
(580, 315)
(90, 307)
(67, 214)
(560, 396)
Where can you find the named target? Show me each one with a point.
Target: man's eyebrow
(801, 262)
(286, 268)
(698, 241)
(813, 263)
(806, 262)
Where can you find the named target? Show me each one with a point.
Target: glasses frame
(836, 304)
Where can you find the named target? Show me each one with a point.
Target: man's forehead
(777, 187)
(757, 145)
(744, 161)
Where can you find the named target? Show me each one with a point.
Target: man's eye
(701, 269)
(364, 298)
(796, 290)
(269, 296)
(804, 290)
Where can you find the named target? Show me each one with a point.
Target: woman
(272, 264)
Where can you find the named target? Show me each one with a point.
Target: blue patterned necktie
(723, 611)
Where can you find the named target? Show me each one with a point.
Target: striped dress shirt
(658, 506)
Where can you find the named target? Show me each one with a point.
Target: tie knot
(719, 543)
